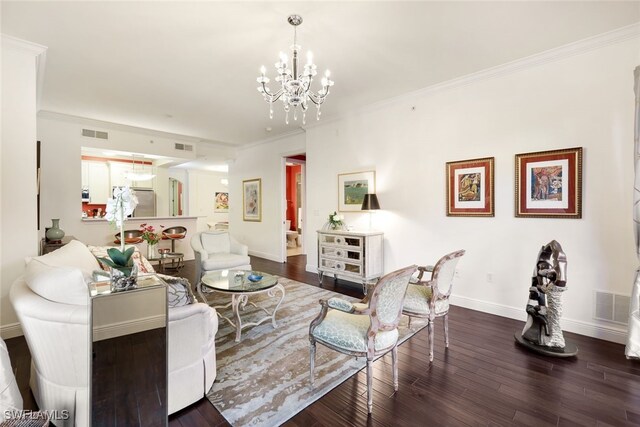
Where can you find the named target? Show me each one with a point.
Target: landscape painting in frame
(549, 184)
(252, 200)
(222, 202)
(470, 187)
(352, 187)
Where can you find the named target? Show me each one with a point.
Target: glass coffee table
(237, 283)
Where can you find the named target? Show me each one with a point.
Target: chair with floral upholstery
(430, 299)
(369, 328)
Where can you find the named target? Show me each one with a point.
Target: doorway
(294, 212)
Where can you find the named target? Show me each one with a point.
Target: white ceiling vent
(95, 134)
(612, 307)
(183, 147)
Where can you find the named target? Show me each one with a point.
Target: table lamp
(370, 203)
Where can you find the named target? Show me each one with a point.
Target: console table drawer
(332, 239)
(341, 266)
(346, 253)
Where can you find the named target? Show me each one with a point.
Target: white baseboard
(264, 255)
(612, 333)
(11, 330)
(129, 327)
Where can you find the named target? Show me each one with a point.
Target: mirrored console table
(128, 369)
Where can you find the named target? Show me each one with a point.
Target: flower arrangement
(150, 235)
(121, 205)
(335, 221)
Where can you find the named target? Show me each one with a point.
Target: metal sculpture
(542, 332)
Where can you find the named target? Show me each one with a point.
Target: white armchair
(218, 250)
(55, 325)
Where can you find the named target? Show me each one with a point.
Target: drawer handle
(339, 253)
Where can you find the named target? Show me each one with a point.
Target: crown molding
(552, 55)
(40, 53)
(69, 118)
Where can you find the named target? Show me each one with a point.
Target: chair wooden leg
(312, 358)
(394, 365)
(432, 338)
(446, 330)
(369, 385)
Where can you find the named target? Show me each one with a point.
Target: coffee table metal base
(239, 300)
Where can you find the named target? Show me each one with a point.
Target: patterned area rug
(264, 379)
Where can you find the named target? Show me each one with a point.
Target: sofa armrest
(237, 247)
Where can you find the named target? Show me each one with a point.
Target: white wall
(18, 229)
(202, 188)
(584, 100)
(265, 160)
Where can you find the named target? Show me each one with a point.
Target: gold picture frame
(252, 200)
(549, 184)
(470, 187)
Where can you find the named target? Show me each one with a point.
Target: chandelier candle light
(295, 89)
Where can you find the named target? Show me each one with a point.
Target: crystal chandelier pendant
(295, 84)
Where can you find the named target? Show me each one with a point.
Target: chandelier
(295, 86)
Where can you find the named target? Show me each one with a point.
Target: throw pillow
(179, 291)
(73, 254)
(144, 266)
(216, 242)
(67, 285)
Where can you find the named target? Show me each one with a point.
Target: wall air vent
(183, 147)
(612, 307)
(95, 134)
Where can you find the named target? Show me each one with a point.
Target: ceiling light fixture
(295, 89)
(132, 175)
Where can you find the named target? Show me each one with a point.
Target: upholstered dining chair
(369, 328)
(430, 298)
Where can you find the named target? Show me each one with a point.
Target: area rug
(264, 379)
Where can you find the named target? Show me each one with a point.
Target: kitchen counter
(144, 218)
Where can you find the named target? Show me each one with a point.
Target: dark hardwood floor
(484, 378)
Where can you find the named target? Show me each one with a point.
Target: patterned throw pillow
(144, 266)
(179, 291)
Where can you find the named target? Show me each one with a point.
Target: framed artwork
(252, 200)
(222, 202)
(549, 184)
(470, 187)
(352, 187)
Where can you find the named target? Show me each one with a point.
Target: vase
(152, 251)
(54, 234)
(124, 280)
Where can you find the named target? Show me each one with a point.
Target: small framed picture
(252, 200)
(222, 202)
(352, 187)
(549, 184)
(470, 187)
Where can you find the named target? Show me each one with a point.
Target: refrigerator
(146, 203)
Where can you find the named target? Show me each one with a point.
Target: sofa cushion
(223, 261)
(215, 243)
(67, 285)
(73, 254)
(179, 291)
(144, 266)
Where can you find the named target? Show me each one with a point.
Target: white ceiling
(190, 67)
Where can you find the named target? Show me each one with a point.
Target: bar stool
(130, 237)
(173, 234)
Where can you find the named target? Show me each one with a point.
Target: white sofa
(49, 303)
(218, 250)
(10, 398)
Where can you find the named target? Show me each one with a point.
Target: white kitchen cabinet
(117, 173)
(355, 256)
(98, 181)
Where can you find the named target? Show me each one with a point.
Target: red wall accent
(292, 194)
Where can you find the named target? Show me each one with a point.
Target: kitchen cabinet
(97, 176)
(117, 173)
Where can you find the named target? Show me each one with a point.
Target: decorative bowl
(254, 277)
